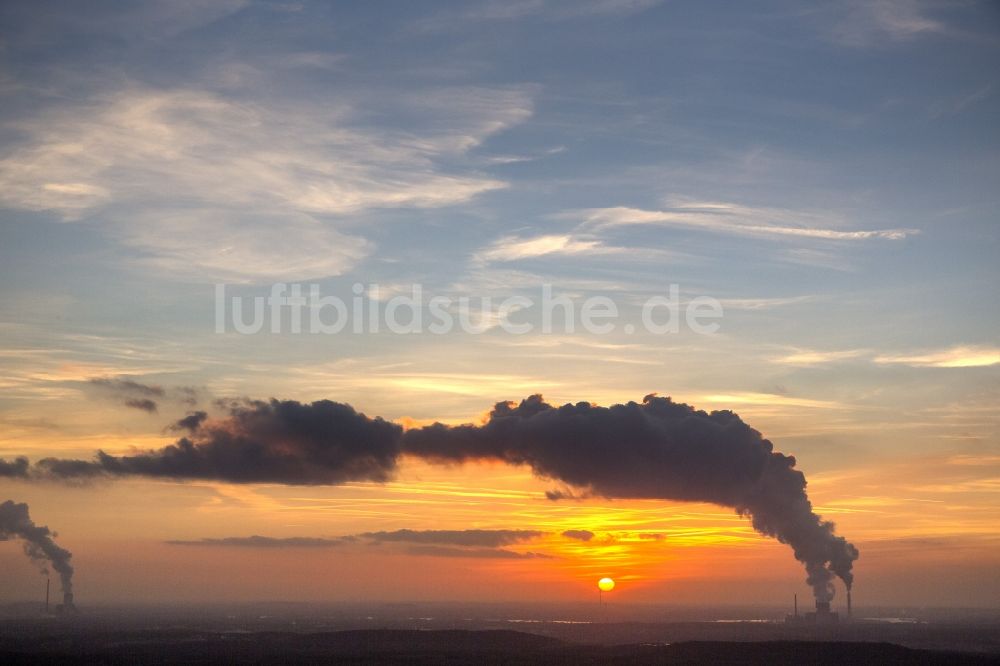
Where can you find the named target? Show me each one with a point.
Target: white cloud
(902, 19)
(598, 7)
(555, 10)
(171, 17)
(207, 244)
(147, 147)
(135, 22)
(763, 303)
(870, 23)
(514, 159)
(954, 357)
(809, 357)
(329, 378)
(735, 219)
(953, 106)
(767, 400)
(173, 169)
(512, 248)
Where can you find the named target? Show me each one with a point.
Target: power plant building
(822, 616)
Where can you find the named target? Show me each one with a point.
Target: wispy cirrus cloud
(734, 219)
(550, 10)
(238, 246)
(810, 357)
(150, 146)
(763, 303)
(579, 244)
(958, 104)
(962, 356)
(871, 23)
(138, 23)
(253, 189)
(513, 248)
(768, 400)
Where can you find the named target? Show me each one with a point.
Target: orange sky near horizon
(702, 553)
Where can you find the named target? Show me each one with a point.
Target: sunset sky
(828, 174)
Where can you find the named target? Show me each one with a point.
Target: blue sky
(828, 173)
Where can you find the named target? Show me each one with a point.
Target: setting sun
(606, 584)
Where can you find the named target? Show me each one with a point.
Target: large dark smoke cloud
(322, 443)
(14, 469)
(15, 522)
(655, 449)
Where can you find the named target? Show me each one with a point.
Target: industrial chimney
(848, 603)
(48, 581)
(794, 617)
(66, 607)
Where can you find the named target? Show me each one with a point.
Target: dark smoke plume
(14, 469)
(38, 545)
(656, 449)
(191, 422)
(145, 404)
(323, 443)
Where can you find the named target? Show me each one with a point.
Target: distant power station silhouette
(823, 615)
(39, 546)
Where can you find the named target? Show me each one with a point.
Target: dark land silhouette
(292, 633)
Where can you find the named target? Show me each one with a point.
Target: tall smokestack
(796, 602)
(848, 602)
(38, 543)
(48, 581)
